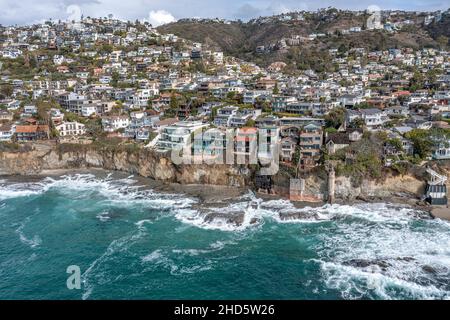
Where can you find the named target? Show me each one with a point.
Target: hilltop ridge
(282, 37)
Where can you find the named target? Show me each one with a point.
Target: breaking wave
(391, 259)
(20, 190)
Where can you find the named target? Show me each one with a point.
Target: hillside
(274, 33)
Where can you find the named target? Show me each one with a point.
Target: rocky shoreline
(219, 196)
(224, 182)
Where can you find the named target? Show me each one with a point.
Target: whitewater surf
(132, 242)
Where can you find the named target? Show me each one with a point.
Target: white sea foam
(160, 259)
(18, 191)
(360, 258)
(95, 272)
(33, 242)
(104, 216)
(397, 253)
(141, 223)
(254, 211)
(356, 283)
(154, 256)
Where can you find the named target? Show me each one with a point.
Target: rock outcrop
(149, 164)
(142, 162)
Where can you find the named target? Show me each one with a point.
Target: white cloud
(159, 17)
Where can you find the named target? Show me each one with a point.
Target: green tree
(396, 143)
(335, 118)
(421, 142)
(416, 82)
(173, 104)
(357, 123)
(275, 89)
(250, 123)
(6, 90)
(114, 79)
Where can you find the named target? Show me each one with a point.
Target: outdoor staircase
(436, 178)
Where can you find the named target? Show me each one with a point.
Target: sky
(159, 12)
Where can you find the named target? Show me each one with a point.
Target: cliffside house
(245, 145)
(288, 146)
(442, 152)
(224, 115)
(71, 129)
(32, 132)
(6, 132)
(372, 117)
(337, 141)
(178, 135)
(113, 123)
(311, 141)
(5, 115)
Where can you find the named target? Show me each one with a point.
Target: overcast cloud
(164, 11)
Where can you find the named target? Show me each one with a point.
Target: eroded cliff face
(346, 190)
(392, 186)
(144, 163)
(152, 165)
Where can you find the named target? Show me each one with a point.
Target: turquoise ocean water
(133, 243)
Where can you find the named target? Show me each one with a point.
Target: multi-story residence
(372, 117)
(269, 140)
(142, 96)
(179, 135)
(224, 115)
(32, 132)
(6, 132)
(72, 102)
(239, 120)
(250, 96)
(71, 129)
(279, 103)
(211, 145)
(5, 115)
(288, 148)
(88, 110)
(349, 100)
(113, 123)
(246, 145)
(311, 141)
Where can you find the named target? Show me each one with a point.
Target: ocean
(131, 242)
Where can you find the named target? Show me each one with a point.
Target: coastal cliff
(149, 164)
(142, 162)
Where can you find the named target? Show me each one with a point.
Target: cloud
(164, 11)
(247, 11)
(278, 8)
(159, 17)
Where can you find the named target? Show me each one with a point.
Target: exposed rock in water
(406, 259)
(298, 215)
(232, 218)
(429, 269)
(363, 263)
